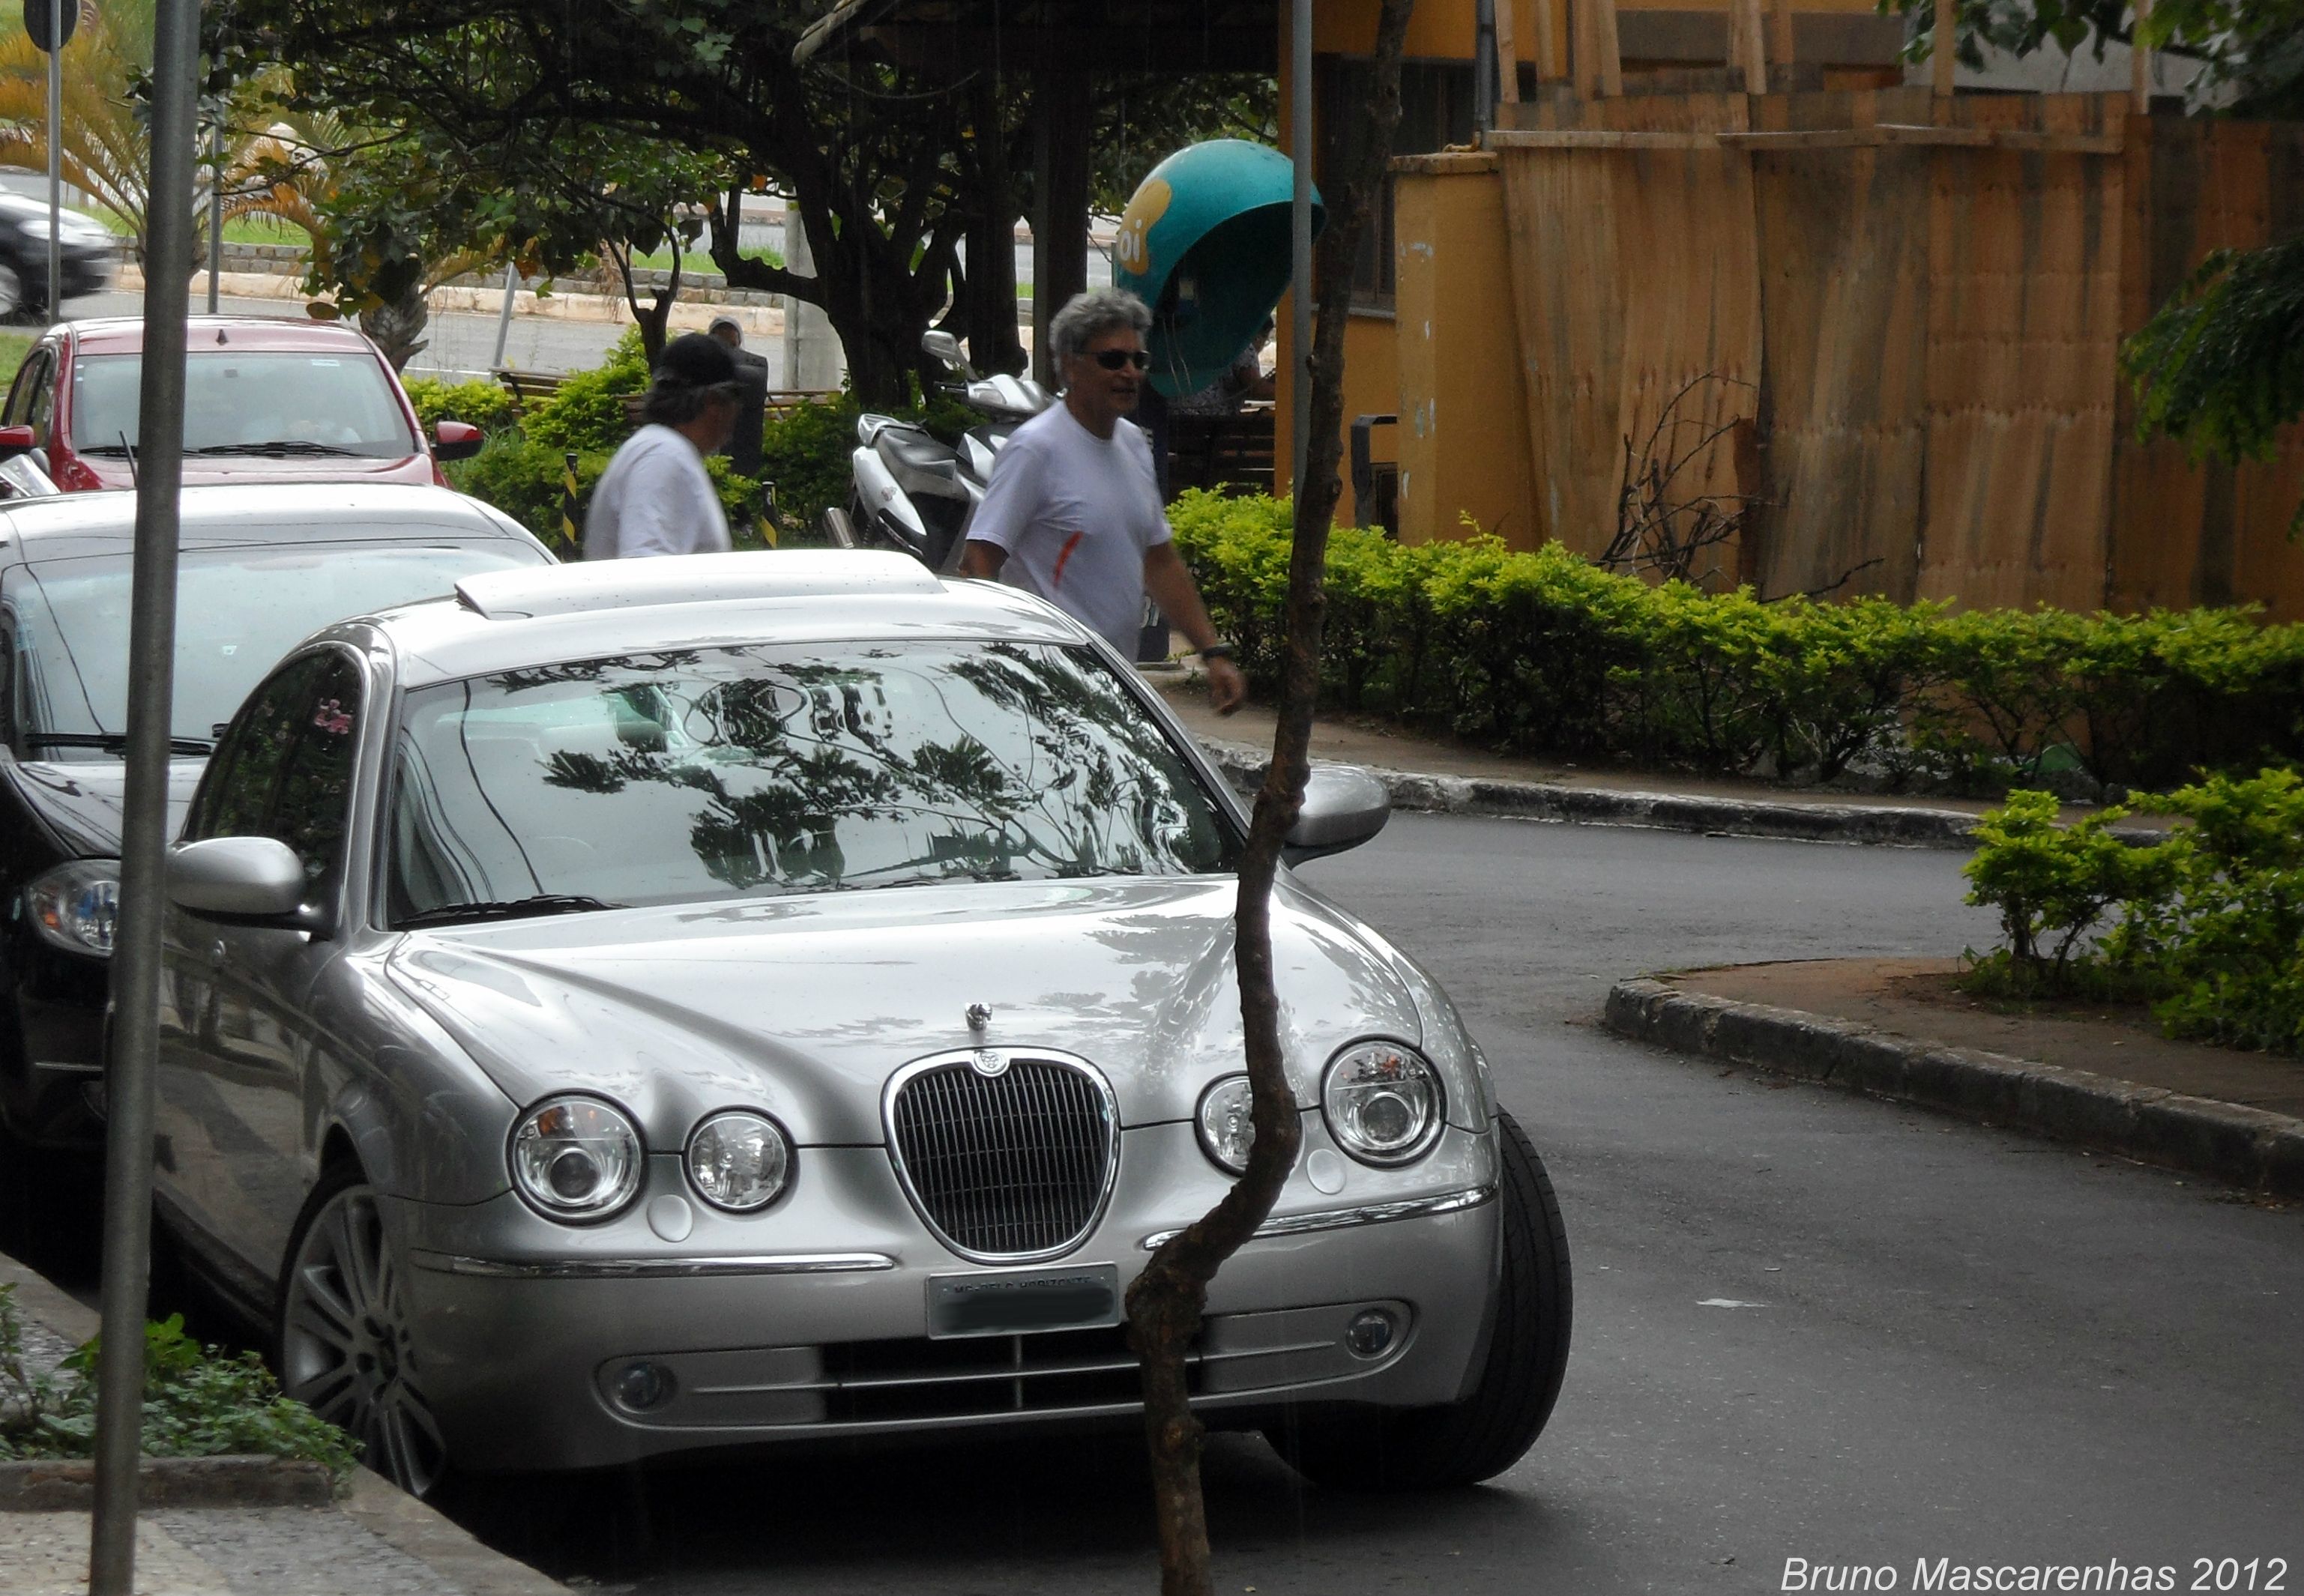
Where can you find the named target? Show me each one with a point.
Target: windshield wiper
(543, 903)
(109, 449)
(111, 742)
(271, 446)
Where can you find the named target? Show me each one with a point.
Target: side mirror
(1343, 808)
(237, 878)
(15, 440)
(945, 347)
(456, 440)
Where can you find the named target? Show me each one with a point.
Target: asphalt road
(1949, 1342)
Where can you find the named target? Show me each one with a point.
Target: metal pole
(1299, 282)
(56, 158)
(503, 316)
(1485, 91)
(144, 810)
(216, 209)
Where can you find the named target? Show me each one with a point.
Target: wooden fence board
(2023, 333)
(1843, 412)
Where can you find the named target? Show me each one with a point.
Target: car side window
(29, 393)
(311, 806)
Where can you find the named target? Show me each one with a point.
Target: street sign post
(50, 22)
(144, 807)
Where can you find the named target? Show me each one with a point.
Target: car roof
(125, 335)
(506, 620)
(61, 524)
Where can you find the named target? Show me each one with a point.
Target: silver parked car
(678, 1004)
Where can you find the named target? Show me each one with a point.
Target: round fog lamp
(1370, 1333)
(639, 1387)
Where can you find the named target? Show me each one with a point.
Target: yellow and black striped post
(570, 545)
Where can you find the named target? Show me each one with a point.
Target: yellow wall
(1458, 362)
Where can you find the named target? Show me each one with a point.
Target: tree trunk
(398, 324)
(653, 317)
(987, 303)
(1165, 1302)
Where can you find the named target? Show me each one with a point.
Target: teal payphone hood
(1205, 242)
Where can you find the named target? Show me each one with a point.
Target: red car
(264, 402)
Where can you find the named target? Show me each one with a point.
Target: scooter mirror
(945, 347)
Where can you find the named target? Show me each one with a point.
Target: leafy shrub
(586, 415)
(485, 405)
(198, 1402)
(2221, 945)
(2210, 923)
(2054, 884)
(1543, 652)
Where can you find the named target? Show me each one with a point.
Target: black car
(85, 250)
(262, 567)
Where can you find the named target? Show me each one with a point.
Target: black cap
(697, 360)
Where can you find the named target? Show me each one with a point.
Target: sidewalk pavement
(372, 1542)
(1897, 1028)
(1430, 773)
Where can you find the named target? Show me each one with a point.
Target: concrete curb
(2246, 1147)
(1243, 765)
(69, 1485)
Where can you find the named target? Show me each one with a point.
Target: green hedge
(485, 405)
(1543, 652)
(2208, 926)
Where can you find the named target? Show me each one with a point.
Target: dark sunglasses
(1113, 360)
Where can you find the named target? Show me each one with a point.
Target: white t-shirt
(655, 498)
(1076, 514)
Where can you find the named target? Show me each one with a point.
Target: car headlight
(77, 906)
(739, 1160)
(1382, 1102)
(576, 1157)
(1227, 1121)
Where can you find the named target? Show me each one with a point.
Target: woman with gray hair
(1073, 512)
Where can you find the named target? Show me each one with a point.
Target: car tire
(343, 1341)
(1363, 1449)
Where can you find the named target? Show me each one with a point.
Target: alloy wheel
(345, 1348)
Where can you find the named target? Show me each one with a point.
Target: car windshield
(283, 402)
(757, 770)
(237, 612)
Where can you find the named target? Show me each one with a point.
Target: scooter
(915, 492)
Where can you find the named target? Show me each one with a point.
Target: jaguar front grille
(1007, 1165)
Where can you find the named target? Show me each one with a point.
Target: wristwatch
(1216, 651)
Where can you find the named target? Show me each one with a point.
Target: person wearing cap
(1072, 512)
(655, 496)
(744, 450)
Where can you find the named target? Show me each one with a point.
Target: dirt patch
(1915, 998)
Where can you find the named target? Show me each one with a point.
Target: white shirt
(1076, 514)
(655, 498)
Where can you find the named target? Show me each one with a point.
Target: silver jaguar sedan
(691, 1003)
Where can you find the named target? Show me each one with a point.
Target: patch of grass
(198, 1402)
(13, 347)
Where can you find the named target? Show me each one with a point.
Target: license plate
(1039, 1299)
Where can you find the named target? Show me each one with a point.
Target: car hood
(113, 471)
(80, 801)
(805, 1006)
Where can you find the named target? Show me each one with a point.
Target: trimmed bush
(1544, 652)
(485, 405)
(2208, 926)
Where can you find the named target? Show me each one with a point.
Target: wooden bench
(529, 387)
(780, 402)
(1232, 453)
